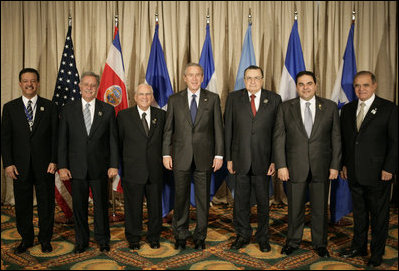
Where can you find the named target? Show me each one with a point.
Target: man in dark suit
(370, 143)
(249, 120)
(88, 155)
(192, 146)
(28, 147)
(307, 151)
(140, 141)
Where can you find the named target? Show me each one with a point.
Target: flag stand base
(115, 217)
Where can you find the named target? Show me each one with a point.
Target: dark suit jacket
(88, 156)
(375, 147)
(202, 140)
(141, 154)
(248, 139)
(19, 145)
(294, 150)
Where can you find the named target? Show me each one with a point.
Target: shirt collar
(92, 103)
(147, 112)
(25, 100)
(312, 101)
(368, 102)
(190, 93)
(257, 94)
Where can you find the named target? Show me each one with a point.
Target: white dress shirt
(312, 108)
(91, 108)
(190, 97)
(366, 106)
(34, 102)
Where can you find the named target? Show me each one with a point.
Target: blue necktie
(193, 108)
(29, 114)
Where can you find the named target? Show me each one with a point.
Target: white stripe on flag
(114, 61)
(287, 85)
(66, 196)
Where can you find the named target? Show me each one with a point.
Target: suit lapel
(98, 115)
(39, 112)
(203, 101)
(370, 113)
(264, 100)
(184, 103)
(22, 114)
(154, 122)
(318, 115)
(246, 103)
(295, 109)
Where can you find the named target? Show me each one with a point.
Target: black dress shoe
(199, 244)
(353, 252)
(180, 243)
(46, 247)
(287, 250)
(155, 244)
(264, 246)
(239, 243)
(104, 246)
(322, 252)
(374, 262)
(80, 249)
(134, 245)
(22, 247)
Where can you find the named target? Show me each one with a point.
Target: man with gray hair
(88, 155)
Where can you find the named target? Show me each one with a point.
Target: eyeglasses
(257, 78)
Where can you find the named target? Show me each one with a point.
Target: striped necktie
(87, 118)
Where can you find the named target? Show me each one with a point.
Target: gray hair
(144, 85)
(89, 73)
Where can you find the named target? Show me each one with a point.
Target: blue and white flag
(158, 77)
(343, 92)
(209, 83)
(294, 64)
(247, 58)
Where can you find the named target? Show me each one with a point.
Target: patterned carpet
(216, 256)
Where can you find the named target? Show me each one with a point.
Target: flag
(343, 92)
(293, 64)
(158, 77)
(247, 58)
(112, 87)
(209, 83)
(66, 89)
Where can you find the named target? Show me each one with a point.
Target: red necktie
(253, 105)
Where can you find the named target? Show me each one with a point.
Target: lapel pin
(319, 106)
(100, 113)
(205, 100)
(154, 121)
(265, 101)
(374, 111)
(41, 108)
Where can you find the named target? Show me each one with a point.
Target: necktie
(193, 108)
(87, 117)
(360, 116)
(308, 122)
(29, 114)
(145, 124)
(253, 107)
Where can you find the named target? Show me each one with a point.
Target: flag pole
(114, 216)
(250, 17)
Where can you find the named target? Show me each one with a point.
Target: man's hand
(386, 176)
(230, 167)
(344, 173)
(283, 174)
(217, 164)
(167, 162)
(272, 170)
(12, 172)
(112, 172)
(333, 174)
(52, 168)
(65, 174)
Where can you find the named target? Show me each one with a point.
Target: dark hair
(31, 70)
(302, 73)
(373, 79)
(254, 67)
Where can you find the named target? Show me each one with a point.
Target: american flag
(66, 89)
(67, 85)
